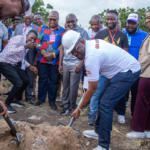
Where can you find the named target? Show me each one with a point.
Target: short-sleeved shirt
(135, 40)
(69, 59)
(3, 34)
(107, 59)
(120, 38)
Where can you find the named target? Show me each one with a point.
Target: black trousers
(17, 77)
(134, 91)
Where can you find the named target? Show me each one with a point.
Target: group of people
(116, 62)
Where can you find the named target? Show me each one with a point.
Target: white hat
(29, 11)
(133, 17)
(69, 40)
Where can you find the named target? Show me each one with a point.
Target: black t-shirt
(120, 38)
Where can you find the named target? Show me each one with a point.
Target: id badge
(52, 38)
(129, 40)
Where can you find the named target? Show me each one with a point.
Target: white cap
(69, 40)
(133, 17)
(29, 11)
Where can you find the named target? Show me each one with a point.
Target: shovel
(12, 127)
(70, 124)
(72, 119)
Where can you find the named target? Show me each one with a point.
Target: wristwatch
(25, 47)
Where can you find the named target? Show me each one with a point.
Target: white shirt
(107, 59)
(92, 34)
(26, 30)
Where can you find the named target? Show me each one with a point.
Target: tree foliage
(123, 15)
(39, 6)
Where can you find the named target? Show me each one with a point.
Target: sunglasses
(50, 19)
(72, 21)
(25, 6)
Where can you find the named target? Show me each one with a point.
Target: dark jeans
(113, 91)
(17, 77)
(48, 81)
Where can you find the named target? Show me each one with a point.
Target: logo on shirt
(115, 42)
(97, 44)
(1, 31)
(88, 72)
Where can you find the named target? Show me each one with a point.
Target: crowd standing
(116, 63)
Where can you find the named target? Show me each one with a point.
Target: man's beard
(112, 27)
(132, 32)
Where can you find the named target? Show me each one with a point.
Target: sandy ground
(38, 116)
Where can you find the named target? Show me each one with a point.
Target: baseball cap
(133, 17)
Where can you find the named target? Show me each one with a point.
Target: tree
(123, 15)
(40, 7)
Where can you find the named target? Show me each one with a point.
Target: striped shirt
(107, 59)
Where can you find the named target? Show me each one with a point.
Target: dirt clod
(34, 138)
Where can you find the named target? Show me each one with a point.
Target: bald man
(71, 69)
(48, 59)
(96, 26)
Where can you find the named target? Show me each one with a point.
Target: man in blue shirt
(135, 39)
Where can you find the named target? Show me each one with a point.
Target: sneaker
(91, 120)
(121, 119)
(30, 101)
(17, 103)
(10, 109)
(147, 134)
(100, 148)
(58, 99)
(65, 111)
(53, 106)
(38, 103)
(136, 135)
(90, 134)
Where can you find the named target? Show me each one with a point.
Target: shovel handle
(71, 121)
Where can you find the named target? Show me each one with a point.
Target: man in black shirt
(112, 35)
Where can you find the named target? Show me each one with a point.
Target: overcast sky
(84, 9)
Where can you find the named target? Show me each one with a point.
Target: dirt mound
(38, 137)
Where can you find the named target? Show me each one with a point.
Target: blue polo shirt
(135, 40)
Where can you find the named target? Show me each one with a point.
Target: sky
(85, 9)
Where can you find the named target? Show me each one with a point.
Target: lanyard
(25, 29)
(112, 37)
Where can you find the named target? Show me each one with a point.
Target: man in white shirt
(121, 71)
(96, 26)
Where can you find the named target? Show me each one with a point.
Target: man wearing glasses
(70, 66)
(10, 9)
(48, 59)
(23, 29)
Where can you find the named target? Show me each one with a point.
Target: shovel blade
(60, 124)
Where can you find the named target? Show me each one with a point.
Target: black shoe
(65, 111)
(17, 103)
(6, 93)
(10, 109)
(53, 106)
(30, 101)
(33, 97)
(38, 103)
(4, 79)
(91, 120)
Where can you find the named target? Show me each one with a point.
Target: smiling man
(135, 39)
(10, 9)
(121, 71)
(96, 26)
(48, 59)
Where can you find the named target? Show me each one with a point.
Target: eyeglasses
(50, 19)
(72, 21)
(25, 6)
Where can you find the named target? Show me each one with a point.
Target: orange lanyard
(92, 37)
(112, 37)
